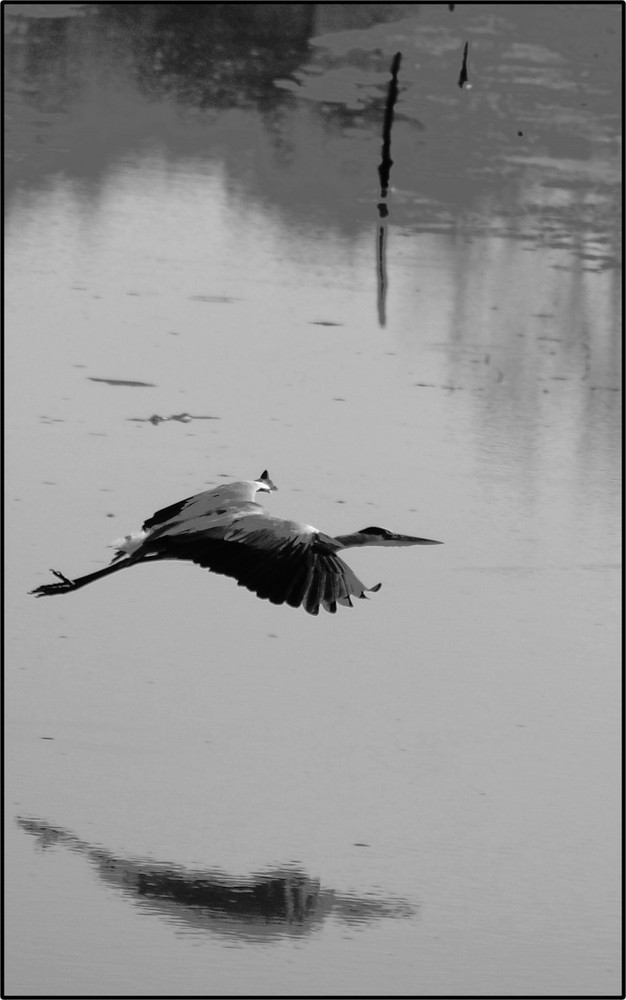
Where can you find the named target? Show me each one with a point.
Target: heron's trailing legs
(66, 585)
(54, 588)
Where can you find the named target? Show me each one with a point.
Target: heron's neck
(350, 541)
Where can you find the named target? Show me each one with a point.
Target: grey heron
(225, 530)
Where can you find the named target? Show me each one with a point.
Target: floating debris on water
(183, 418)
(121, 381)
(212, 298)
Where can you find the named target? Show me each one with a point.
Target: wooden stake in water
(384, 172)
(386, 163)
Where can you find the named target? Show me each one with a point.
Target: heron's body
(227, 531)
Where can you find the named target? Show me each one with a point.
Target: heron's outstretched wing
(281, 561)
(221, 498)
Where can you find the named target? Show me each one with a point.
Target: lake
(207, 794)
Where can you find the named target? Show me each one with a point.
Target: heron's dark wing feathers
(166, 514)
(212, 502)
(279, 561)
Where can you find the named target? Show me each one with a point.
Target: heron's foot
(55, 588)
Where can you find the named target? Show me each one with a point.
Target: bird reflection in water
(260, 906)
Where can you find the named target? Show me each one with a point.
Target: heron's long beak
(388, 538)
(408, 540)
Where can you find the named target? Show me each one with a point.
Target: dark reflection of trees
(216, 54)
(241, 85)
(222, 55)
(263, 906)
(205, 55)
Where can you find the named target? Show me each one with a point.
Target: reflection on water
(259, 908)
(292, 102)
(192, 207)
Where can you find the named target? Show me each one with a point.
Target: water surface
(210, 795)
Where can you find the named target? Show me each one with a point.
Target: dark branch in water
(384, 171)
(463, 76)
(386, 163)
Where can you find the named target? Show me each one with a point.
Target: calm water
(209, 795)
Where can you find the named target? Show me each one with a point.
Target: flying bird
(225, 530)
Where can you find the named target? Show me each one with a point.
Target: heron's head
(381, 536)
(264, 483)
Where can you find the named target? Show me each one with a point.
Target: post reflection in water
(264, 906)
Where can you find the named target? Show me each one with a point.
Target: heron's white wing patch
(129, 543)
